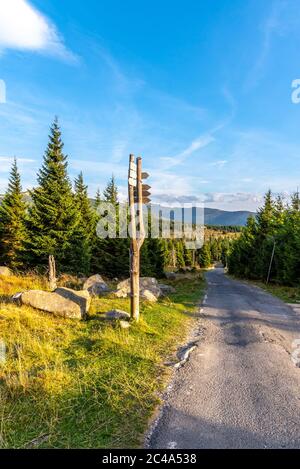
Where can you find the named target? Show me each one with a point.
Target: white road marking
(172, 445)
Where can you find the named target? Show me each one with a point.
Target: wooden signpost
(137, 194)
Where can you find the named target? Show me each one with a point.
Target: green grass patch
(285, 293)
(75, 384)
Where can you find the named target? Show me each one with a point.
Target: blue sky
(201, 89)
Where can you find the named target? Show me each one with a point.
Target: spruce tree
(53, 216)
(12, 222)
(110, 193)
(83, 239)
(179, 254)
(97, 199)
(87, 215)
(111, 255)
(205, 256)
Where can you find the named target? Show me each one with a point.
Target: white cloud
(23, 27)
(6, 162)
(219, 163)
(232, 197)
(197, 144)
(200, 142)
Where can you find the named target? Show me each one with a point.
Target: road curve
(240, 388)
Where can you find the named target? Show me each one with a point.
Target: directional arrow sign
(145, 187)
(144, 193)
(132, 174)
(145, 175)
(145, 200)
(132, 166)
(132, 182)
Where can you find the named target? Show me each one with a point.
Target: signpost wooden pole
(134, 267)
(135, 196)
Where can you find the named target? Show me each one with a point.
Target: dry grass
(86, 384)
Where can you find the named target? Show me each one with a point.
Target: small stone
(116, 314)
(5, 271)
(170, 275)
(124, 324)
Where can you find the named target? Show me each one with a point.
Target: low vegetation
(284, 292)
(67, 384)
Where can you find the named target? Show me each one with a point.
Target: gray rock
(170, 275)
(62, 302)
(120, 293)
(95, 285)
(116, 314)
(124, 324)
(166, 289)
(5, 271)
(149, 288)
(148, 296)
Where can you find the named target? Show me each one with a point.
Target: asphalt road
(240, 388)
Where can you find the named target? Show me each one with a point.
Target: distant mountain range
(212, 216)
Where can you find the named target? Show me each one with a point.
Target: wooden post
(137, 240)
(52, 274)
(134, 267)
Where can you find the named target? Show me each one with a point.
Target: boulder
(95, 285)
(166, 289)
(148, 296)
(5, 271)
(149, 288)
(116, 314)
(62, 302)
(170, 275)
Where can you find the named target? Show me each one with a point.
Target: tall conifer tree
(110, 193)
(53, 216)
(12, 222)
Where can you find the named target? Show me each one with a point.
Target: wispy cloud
(23, 27)
(270, 28)
(197, 144)
(232, 197)
(219, 164)
(6, 162)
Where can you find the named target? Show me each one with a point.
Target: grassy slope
(85, 384)
(285, 293)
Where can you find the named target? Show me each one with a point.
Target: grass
(75, 384)
(285, 293)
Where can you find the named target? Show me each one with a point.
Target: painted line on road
(172, 445)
